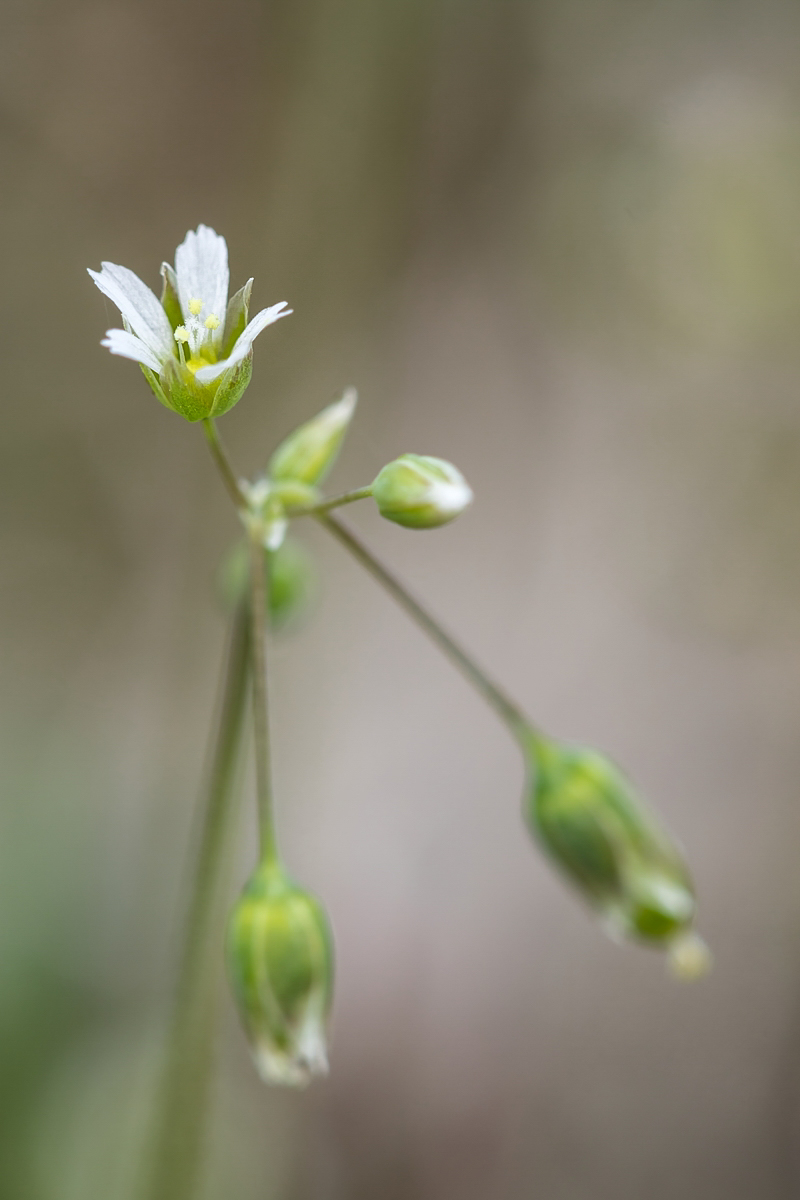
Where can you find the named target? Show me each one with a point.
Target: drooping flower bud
(280, 960)
(420, 492)
(308, 454)
(291, 580)
(597, 831)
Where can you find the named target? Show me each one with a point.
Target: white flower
(194, 346)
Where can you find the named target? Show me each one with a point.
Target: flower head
(194, 345)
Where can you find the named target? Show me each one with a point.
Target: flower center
(197, 334)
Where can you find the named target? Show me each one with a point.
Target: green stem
(495, 697)
(258, 614)
(318, 510)
(258, 638)
(183, 1101)
(223, 463)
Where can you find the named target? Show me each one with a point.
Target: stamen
(181, 334)
(195, 306)
(212, 321)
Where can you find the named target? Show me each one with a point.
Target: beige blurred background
(556, 241)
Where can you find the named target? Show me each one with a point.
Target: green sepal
(232, 386)
(169, 296)
(236, 317)
(155, 386)
(184, 394)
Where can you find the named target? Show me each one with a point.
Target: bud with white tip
(420, 492)
(308, 454)
(597, 831)
(280, 959)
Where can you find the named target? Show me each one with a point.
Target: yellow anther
(181, 334)
(195, 306)
(212, 321)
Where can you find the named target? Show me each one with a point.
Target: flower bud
(600, 835)
(420, 492)
(308, 454)
(290, 584)
(280, 960)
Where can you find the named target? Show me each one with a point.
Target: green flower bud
(591, 823)
(280, 960)
(308, 454)
(420, 492)
(290, 585)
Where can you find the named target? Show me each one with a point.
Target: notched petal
(232, 386)
(201, 268)
(128, 345)
(138, 306)
(244, 342)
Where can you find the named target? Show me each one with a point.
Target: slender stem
(325, 506)
(223, 462)
(185, 1087)
(258, 614)
(504, 706)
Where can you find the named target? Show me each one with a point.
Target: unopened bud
(308, 454)
(420, 492)
(280, 960)
(598, 832)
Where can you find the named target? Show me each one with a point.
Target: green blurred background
(555, 241)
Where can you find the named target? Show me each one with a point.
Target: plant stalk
(492, 693)
(325, 506)
(258, 638)
(185, 1089)
(223, 464)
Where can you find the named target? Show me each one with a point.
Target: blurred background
(557, 242)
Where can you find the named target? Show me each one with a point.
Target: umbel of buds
(420, 492)
(597, 831)
(280, 959)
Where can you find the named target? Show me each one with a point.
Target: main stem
(258, 615)
(259, 601)
(223, 464)
(183, 1100)
(491, 692)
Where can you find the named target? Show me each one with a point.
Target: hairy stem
(183, 1101)
(495, 697)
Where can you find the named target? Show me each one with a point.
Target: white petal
(138, 306)
(244, 342)
(120, 341)
(201, 265)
